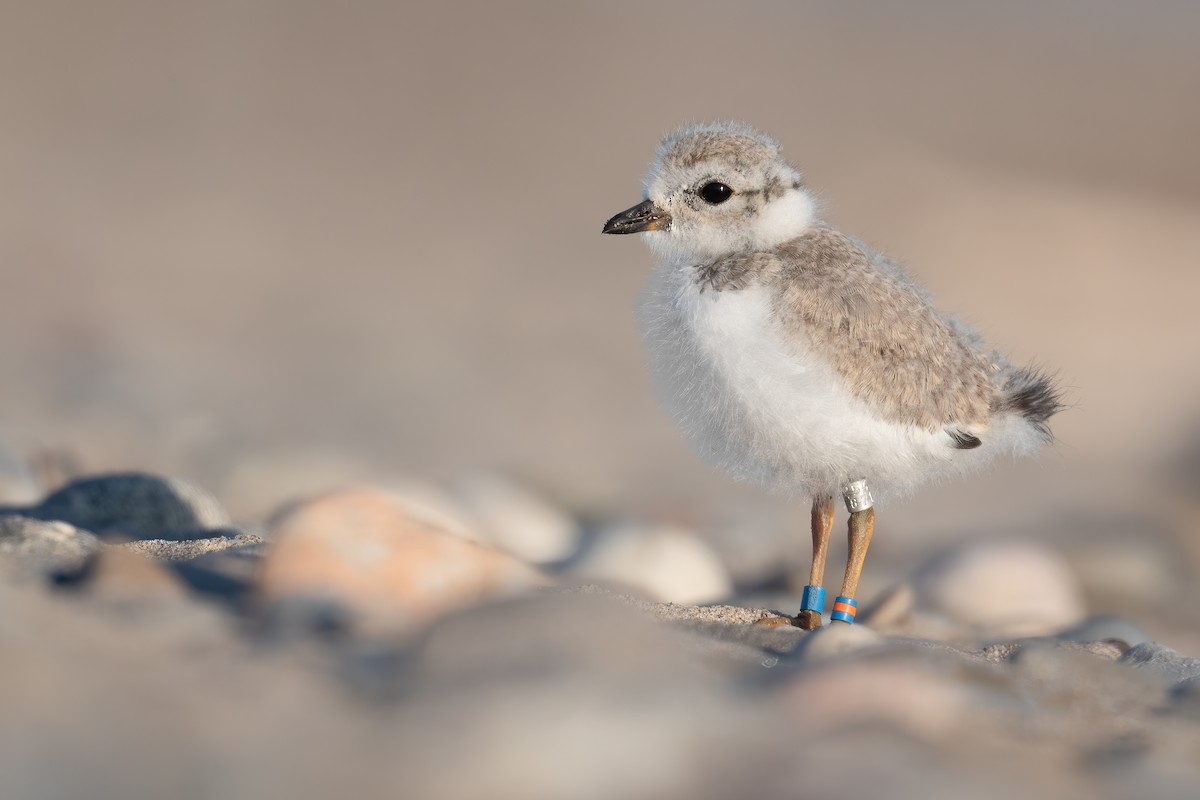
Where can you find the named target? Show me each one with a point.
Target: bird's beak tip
(645, 216)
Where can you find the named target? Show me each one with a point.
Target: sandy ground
(273, 248)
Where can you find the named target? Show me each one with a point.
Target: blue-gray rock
(134, 506)
(1164, 660)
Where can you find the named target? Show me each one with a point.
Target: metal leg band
(857, 496)
(844, 609)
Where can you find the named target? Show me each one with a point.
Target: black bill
(642, 217)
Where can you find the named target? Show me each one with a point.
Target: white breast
(762, 406)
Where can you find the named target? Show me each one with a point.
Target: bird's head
(715, 189)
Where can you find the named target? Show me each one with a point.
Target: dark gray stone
(134, 506)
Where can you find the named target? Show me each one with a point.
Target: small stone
(1163, 660)
(134, 506)
(520, 521)
(366, 548)
(670, 564)
(34, 545)
(1001, 589)
(839, 639)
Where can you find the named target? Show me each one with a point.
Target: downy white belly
(758, 403)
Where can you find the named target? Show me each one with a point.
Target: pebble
(1000, 589)
(366, 548)
(837, 639)
(134, 506)
(33, 545)
(1162, 660)
(668, 563)
(519, 520)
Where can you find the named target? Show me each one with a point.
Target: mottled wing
(882, 335)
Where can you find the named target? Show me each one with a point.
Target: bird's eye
(715, 192)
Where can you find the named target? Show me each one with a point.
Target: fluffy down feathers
(799, 358)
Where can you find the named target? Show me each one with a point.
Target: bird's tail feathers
(1033, 394)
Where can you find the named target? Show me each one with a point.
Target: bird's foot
(808, 619)
(812, 604)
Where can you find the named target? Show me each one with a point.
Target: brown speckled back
(875, 327)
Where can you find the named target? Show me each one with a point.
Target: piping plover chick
(798, 357)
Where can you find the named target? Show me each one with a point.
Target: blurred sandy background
(334, 242)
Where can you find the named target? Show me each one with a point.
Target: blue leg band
(813, 599)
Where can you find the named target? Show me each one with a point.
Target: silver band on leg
(857, 496)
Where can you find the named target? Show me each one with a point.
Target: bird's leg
(861, 527)
(812, 603)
